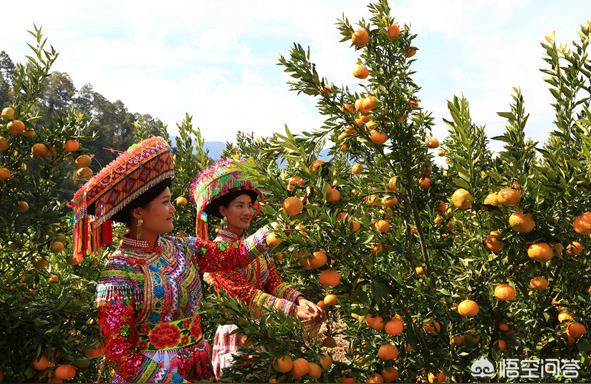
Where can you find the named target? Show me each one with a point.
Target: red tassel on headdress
(201, 229)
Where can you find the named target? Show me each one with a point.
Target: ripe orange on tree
(300, 367)
(432, 327)
(394, 326)
(468, 308)
(505, 292)
(273, 239)
(83, 161)
(575, 330)
(432, 143)
(522, 222)
(493, 244)
(8, 113)
(376, 378)
(390, 374)
(491, 199)
(582, 223)
(84, 173)
(382, 226)
(425, 182)
(462, 199)
(283, 364)
(330, 277)
(332, 195)
(393, 31)
(378, 137)
(374, 321)
(71, 145)
(15, 127)
(509, 197)
(4, 144)
(360, 72)
(330, 300)
(315, 165)
(41, 363)
(574, 248)
(293, 206)
(325, 362)
(360, 38)
(39, 150)
(314, 370)
(540, 252)
(388, 352)
(357, 169)
(57, 246)
(539, 282)
(65, 372)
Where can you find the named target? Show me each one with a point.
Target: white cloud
(216, 60)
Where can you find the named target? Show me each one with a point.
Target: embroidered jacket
(147, 300)
(257, 284)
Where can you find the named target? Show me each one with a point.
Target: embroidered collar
(141, 245)
(227, 236)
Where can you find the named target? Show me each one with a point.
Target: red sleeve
(213, 256)
(236, 285)
(277, 287)
(117, 321)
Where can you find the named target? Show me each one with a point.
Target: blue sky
(217, 60)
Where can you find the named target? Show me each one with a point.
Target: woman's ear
(137, 213)
(222, 210)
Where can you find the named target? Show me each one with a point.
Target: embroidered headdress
(131, 174)
(214, 182)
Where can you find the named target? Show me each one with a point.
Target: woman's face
(157, 216)
(239, 212)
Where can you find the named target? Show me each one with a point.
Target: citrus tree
(424, 269)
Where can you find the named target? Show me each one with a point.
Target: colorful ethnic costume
(148, 294)
(258, 284)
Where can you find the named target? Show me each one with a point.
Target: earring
(138, 231)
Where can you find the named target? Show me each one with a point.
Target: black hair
(213, 208)
(124, 215)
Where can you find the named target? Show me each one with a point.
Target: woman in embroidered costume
(221, 191)
(148, 293)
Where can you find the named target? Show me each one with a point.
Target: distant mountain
(215, 148)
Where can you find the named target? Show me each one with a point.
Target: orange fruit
(332, 195)
(509, 197)
(84, 173)
(357, 169)
(432, 327)
(317, 260)
(41, 263)
(330, 300)
(325, 362)
(539, 282)
(15, 127)
(65, 372)
(410, 52)
(348, 107)
(315, 165)
(360, 38)
(273, 240)
(314, 370)
(293, 206)
(23, 206)
(300, 367)
(540, 252)
(388, 352)
(376, 248)
(441, 206)
(392, 184)
(468, 308)
(4, 144)
(71, 145)
(582, 223)
(57, 246)
(432, 143)
(5, 174)
(574, 248)
(521, 222)
(382, 226)
(433, 378)
(83, 161)
(491, 199)
(503, 327)
(502, 344)
(505, 292)
(30, 133)
(441, 152)
(330, 278)
(356, 225)
(8, 113)
(94, 352)
(457, 340)
(575, 330)
(41, 364)
(390, 374)
(493, 244)
(360, 72)
(293, 182)
(53, 279)
(564, 316)
(374, 322)
(393, 31)
(369, 103)
(39, 150)
(376, 378)
(181, 201)
(394, 326)
(283, 364)
(461, 199)
(378, 137)
(425, 182)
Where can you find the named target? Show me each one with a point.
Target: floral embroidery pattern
(165, 336)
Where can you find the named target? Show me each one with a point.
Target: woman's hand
(313, 309)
